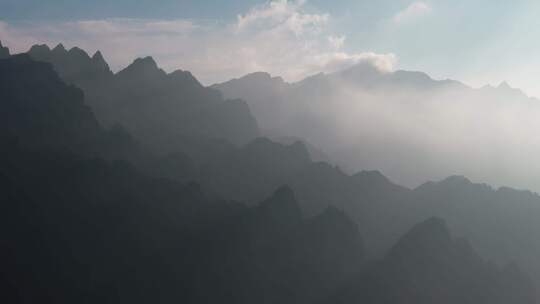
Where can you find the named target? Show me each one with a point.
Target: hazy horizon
(292, 39)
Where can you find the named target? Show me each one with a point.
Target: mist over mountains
(143, 187)
(411, 127)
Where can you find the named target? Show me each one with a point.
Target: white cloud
(283, 15)
(413, 11)
(133, 26)
(280, 37)
(337, 42)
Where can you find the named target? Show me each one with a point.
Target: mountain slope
(52, 114)
(75, 228)
(131, 238)
(428, 266)
(163, 110)
(494, 220)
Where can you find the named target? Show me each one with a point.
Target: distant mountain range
(99, 212)
(406, 124)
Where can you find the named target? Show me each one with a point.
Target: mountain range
(102, 207)
(166, 112)
(405, 124)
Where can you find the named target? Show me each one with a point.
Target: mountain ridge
(276, 246)
(136, 95)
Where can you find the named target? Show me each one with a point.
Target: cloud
(282, 15)
(413, 11)
(336, 42)
(280, 37)
(133, 26)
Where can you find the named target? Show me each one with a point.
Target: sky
(477, 42)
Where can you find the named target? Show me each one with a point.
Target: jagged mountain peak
(76, 51)
(54, 112)
(185, 77)
(59, 48)
(39, 49)
(74, 66)
(99, 61)
(98, 56)
(142, 67)
(145, 61)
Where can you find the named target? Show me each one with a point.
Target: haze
(248, 151)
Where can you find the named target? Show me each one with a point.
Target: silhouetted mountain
(4, 51)
(74, 66)
(77, 228)
(266, 98)
(166, 112)
(39, 110)
(382, 210)
(274, 256)
(493, 220)
(252, 172)
(428, 266)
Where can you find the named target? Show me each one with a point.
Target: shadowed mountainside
(165, 111)
(493, 219)
(78, 228)
(428, 266)
(39, 110)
